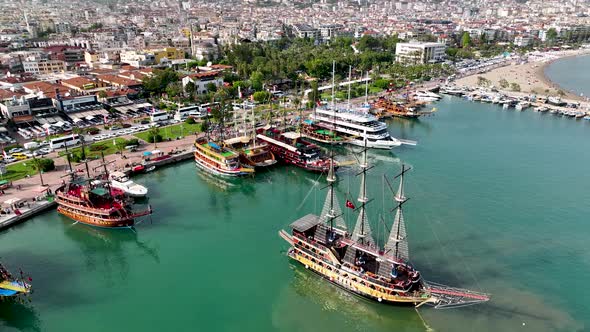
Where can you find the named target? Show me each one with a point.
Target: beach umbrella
(147, 153)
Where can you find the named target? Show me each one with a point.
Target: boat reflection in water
(107, 250)
(18, 316)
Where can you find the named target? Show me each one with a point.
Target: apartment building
(419, 52)
(44, 66)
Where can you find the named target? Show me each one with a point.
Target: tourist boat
(121, 181)
(353, 260)
(360, 128)
(291, 148)
(11, 286)
(252, 152)
(385, 107)
(553, 111)
(319, 132)
(424, 95)
(96, 203)
(219, 160)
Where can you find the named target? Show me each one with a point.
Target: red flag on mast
(349, 204)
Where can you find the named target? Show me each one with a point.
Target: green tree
(551, 34)
(515, 87)
(504, 83)
(154, 136)
(211, 87)
(256, 80)
(261, 96)
(465, 39)
(190, 89)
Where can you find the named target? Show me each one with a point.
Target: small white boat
(523, 105)
(121, 181)
(149, 169)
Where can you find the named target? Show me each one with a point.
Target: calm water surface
(499, 204)
(571, 74)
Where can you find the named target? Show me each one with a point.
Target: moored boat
(293, 149)
(11, 286)
(95, 203)
(252, 152)
(219, 160)
(121, 181)
(353, 260)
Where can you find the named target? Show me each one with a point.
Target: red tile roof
(77, 82)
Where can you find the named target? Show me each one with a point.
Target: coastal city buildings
(419, 52)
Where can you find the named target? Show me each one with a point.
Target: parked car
(14, 150)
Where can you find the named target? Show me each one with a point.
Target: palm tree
(154, 132)
(38, 166)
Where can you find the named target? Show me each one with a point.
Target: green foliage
(211, 87)
(465, 39)
(261, 96)
(482, 81)
(190, 121)
(43, 164)
(159, 81)
(504, 83)
(154, 135)
(256, 80)
(381, 83)
(551, 34)
(515, 87)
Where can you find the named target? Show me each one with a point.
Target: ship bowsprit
(445, 297)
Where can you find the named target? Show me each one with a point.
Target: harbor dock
(26, 198)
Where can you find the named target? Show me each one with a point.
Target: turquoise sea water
(499, 203)
(571, 74)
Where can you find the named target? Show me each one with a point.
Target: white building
(419, 52)
(138, 59)
(201, 80)
(522, 41)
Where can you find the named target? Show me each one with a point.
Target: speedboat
(122, 182)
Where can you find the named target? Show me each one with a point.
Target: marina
(462, 237)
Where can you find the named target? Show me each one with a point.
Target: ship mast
(349, 84)
(362, 230)
(397, 244)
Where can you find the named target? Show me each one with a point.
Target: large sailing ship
(354, 261)
(11, 286)
(94, 202)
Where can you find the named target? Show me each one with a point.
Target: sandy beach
(530, 75)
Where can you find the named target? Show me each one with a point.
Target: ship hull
(335, 277)
(96, 222)
(291, 158)
(383, 144)
(220, 172)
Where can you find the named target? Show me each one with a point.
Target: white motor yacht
(121, 181)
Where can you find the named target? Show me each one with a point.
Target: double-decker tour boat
(291, 148)
(361, 128)
(252, 152)
(11, 286)
(96, 203)
(219, 160)
(354, 261)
